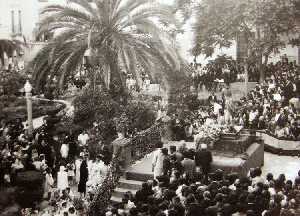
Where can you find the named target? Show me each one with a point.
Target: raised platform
(252, 157)
(234, 144)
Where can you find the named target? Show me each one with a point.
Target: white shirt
(83, 138)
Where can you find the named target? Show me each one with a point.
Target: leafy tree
(262, 24)
(120, 34)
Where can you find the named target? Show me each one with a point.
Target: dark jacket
(203, 158)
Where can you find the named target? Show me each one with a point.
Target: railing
(133, 149)
(145, 142)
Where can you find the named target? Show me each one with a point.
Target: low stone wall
(279, 146)
(254, 157)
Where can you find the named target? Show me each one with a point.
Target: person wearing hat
(203, 159)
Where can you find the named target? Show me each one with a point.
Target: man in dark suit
(189, 166)
(203, 159)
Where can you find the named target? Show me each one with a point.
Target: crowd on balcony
(185, 186)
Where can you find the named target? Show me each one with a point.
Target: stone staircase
(135, 175)
(124, 186)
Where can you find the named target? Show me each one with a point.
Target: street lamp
(28, 95)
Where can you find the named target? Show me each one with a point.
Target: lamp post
(28, 95)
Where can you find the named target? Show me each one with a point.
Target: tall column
(13, 22)
(28, 95)
(29, 112)
(20, 22)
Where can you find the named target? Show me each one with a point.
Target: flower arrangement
(209, 133)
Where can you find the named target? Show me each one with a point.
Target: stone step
(119, 192)
(138, 176)
(130, 184)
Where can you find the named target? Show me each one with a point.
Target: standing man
(203, 159)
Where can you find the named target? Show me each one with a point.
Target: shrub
(110, 114)
(18, 108)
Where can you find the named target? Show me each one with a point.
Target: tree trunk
(114, 72)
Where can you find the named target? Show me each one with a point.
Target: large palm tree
(120, 34)
(8, 47)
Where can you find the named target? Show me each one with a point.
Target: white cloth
(157, 163)
(62, 179)
(217, 108)
(64, 150)
(77, 169)
(48, 183)
(83, 138)
(228, 117)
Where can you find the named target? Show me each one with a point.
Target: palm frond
(122, 33)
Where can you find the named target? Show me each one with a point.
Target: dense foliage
(11, 82)
(109, 114)
(219, 22)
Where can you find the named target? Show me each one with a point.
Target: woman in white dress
(157, 163)
(64, 150)
(62, 179)
(78, 162)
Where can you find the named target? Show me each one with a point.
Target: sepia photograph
(149, 107)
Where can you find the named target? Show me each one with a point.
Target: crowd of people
(184, 186)
(221, 70)
(64, 160)
(272, 105)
